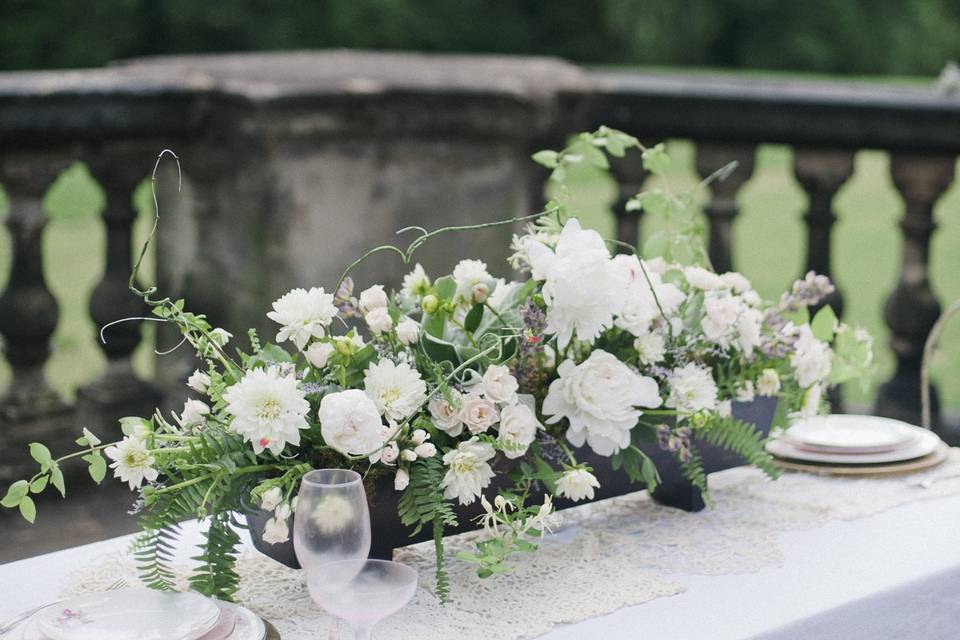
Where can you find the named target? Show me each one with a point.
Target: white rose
(736, 281)
(402, 480)
(379, 320)
(701, 278)
(748, 330)
(768, 384)
(373, 298)
(721, 311)
(276, 531)
(598, 397)
(425, 450)
(499, 385)
(479, 414)
(390, 453)
(282, 512)
(271, 498)
(811, 359)
(193, 413)
(318, 354)
(651, 348)
(198, 381)
(446, 414)
(350, 422)
(577, 484)
(518, 428)
(408, 331)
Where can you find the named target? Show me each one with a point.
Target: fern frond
(693, 471)
(745, 440)
(216, 575)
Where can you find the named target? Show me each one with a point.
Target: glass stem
(362, 631)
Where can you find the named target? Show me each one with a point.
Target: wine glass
(332, 521)
(363, 592)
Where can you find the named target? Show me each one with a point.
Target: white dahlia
(467, 471)
(268, 409)
(692, 389)
(396, 389)
(132, 462)
(303, 315)
(598, 397)
(577, 484)
(468, 274)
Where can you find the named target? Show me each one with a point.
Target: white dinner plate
(924, 444)
(246, 625)
(840, 433)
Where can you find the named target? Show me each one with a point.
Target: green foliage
(637, 465)
(216, 575)
(693, 471)
(743, 439)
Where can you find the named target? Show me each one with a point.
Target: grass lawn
(769, 249)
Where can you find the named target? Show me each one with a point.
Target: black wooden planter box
(675, 491)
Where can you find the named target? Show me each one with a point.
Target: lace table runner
(605, 555)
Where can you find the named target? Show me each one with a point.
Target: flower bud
(419, 436)
(426, 450)
(480, 292)
(401, 480)
(430, 304)
(408, 455)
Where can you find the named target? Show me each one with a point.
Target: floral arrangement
(431, 385)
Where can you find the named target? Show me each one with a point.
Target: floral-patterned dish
(131, 614)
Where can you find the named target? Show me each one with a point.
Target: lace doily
(605, 555)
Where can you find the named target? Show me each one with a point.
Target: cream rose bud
(276, 531)
(480, 292)
(350, 422)
(401, 480)
(577, 484)
(379, 320)
(499, 385)
(270, 499)
(425, 450)
(408, 331)
(390, 453)
(768, 384)
(198, 381)
(446, 414)
(318, 354)
(373, 298)
(518, 428)
(479, 414)
(408, 455)
(419, 436)
(282, 512)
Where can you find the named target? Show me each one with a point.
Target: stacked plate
(857, 445)
(143, 614)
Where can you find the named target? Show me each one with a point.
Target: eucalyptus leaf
(39, 484)
(40, 453)
(474, 316)
(15, 493)
(97, 468)
(28, 509)
(445, 288)
(56, 479)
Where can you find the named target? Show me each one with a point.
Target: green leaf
(474, 316)
(131, 424)
(656, 245)
(546, 158)
(273, 353)
(91, 439)
(56, 479)
(15, 494)
(39, 484)
(656, 160)
(445, 288)
(28, 509)
(799, 317)
(824, 324)
(97, 468)
(41, 454)
(434, 325)
(437, 349)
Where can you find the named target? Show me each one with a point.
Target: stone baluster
(821, 173)
(722, 209)
(28, 311)
(119, 392)
(630, 176)
(912, 309)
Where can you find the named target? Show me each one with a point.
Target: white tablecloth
(895, 574)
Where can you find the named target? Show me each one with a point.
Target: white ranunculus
(499, 384)
(768, 384)
(396, 389)
(132, 462)
(692, 389)
(518, 428)
(478, 413)
(811, 359)
(379, 320)
(577, 484)
(372, 298)
(598, 397)
(303, 315)
(271, 498)
(268, 409)
(198, 381)
(408, 331)
(749, 325)
(700, 278)
(736, 281)
(721, 311)
(582, 287)
(318, 354)
(468, 274)
(651, 348)
(415, 285)
(350, 423)
(276, 531)
(468, 472)
(193, 414)
(402, 480)
(642, 295)
(446, 413)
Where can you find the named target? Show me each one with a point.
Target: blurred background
(872, 68)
